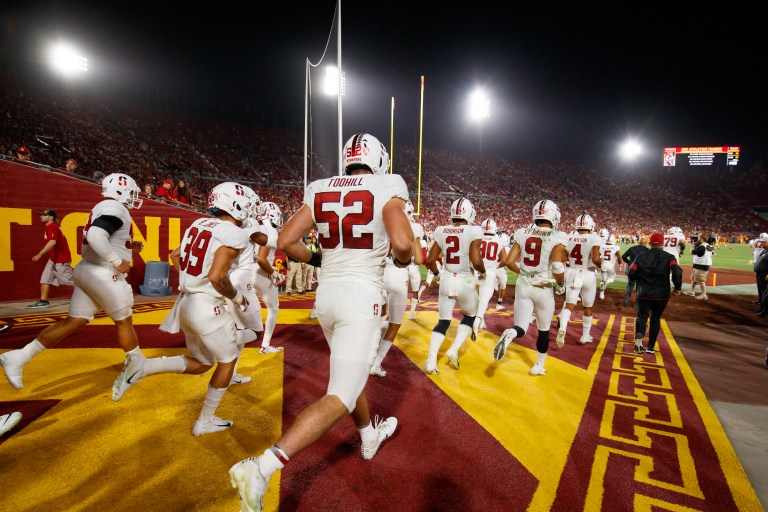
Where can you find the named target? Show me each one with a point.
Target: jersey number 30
(340, 229)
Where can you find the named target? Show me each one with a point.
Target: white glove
(540, 281)
(241, 301)
(436, 277)
(277, 277)
(481, 277)
(559, 289)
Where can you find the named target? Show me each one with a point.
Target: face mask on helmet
(271, 211)
(585, 221)
(255, 201)
(546, 210)
(364, 151)
(604, 234)
(231, 198)
(409, 209)
(463, 209)
(489, 226)
(122, 188)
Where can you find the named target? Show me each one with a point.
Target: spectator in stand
(148, 191)
(58, 268)
(628, 257)
(23, 153)
(164, 191)
(69, 166)
(181, 194)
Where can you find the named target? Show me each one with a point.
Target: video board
(701, 155)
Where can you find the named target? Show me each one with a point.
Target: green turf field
(736, 256)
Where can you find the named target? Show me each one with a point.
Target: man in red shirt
(164, 191)
(58, 268)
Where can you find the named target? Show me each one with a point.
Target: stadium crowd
(154, 146)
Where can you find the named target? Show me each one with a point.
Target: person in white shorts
(268, 279)
(425, 246)
(459, 244)
(357, 217)
(580, 281)
(540, 248)
(414, 271)
(99, 283)
(396, 281)
(493, 252)
(610, 253)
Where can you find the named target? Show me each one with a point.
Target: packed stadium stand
(153, 146)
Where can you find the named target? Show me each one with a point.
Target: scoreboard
(701, 155)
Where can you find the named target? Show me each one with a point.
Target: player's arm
(511, 261)
(418, 258)
(98, 240)
(476, 257)
(558, 258)
(219, 272)
(594, 255)
(262, 260)
(434, 254)
(502, 255)
(399, 230)
(176, 258)
(291, 238)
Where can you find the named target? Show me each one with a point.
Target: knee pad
(122, 313)
(468, 320)
(442, 326)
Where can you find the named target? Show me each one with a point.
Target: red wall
(24, 191)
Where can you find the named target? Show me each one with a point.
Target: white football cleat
(12, 368)
(384, 430)
(500, 306)
(431, 369)
(215, 424)
(246, 477)
(560, 340)
(538, 370)
(453, 359)
(585, 339)
(131, 373)
(269, 349)
(412, 316)
(378, 371)
(239, 378)
(602, 295)
(504, 340)
(8, 421)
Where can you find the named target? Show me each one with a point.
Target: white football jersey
(579, 248)
(121, 241)
(609, 253)
(506, 240)
(490, 249)
(272, 233)
(672, 244)
(347, 211)
(454, 242)
(536, 244)
(199, 245)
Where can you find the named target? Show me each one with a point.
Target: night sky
(564, 84)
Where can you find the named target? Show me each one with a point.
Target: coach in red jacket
(651, 269)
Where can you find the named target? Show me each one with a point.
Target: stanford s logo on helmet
(122, 188)
(364, 151)
(463, 209)
(546, 210)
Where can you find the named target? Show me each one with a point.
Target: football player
(610, 253)
(459, 244)
(414, 271)
(268, 279)
(672, 239)
(349, 300)
(396, 281)
(493, 252)
(100, 283)
(580, 282)
(541, 249)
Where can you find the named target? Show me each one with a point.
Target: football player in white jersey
(610, 253)
(580, 281)
(672, 240)
(268, 279)
(506, 243)
(494, 254)
(396, 281)
(208, 252)
(357, 217)
(541, 249)
(459, 244)
(414, 272)
(99, 281)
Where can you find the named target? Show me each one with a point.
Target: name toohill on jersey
(347, 211)
(454, 242)
(672, 244)
(609, 253)
(121, 241)
(579, 248)
(490, 249)
(199, 245)
(536, 244)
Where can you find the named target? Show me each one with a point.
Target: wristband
(238, 299)
(114, 259)
(401, 264)
(316, 259)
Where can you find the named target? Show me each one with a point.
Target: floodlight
(331, 82)
(67, 60)
(630, 150)
(479, 105)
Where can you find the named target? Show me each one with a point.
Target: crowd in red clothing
(179, 159)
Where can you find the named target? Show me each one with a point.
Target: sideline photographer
(703, 250)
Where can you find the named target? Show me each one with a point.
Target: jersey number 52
(340, 228)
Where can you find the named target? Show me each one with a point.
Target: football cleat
(500, 306)
(246, 477)
(215, 424)
(269, 349)
(431, 370)
(585, 339)
(378, 371)
(560, 340)
(453, 359)
(239, 378)
(702, 296)
(412, 316)
(538, 369)
(602, 295)
(131, 373)
(8, 421)
(504, 340)
(384, 430)
(12, 369)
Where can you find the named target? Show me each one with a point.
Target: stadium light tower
(66, 60)
(630, 150)
(331, 81)
(478, 111)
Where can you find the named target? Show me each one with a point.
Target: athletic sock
(587, 325)
(212, 400)
(173, 364)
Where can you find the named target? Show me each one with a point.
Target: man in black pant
(628, 257)
(651, 269)
(761, 275)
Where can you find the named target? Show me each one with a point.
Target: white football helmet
(611, 239)
(463, 209)
(674, 230)
(604, 234)
(585, 221)
(489, 226)
(232, 198)
(409, 209)
(363, 150)
(271, 211)
(546, 210)
(255, 201)
(122, 188)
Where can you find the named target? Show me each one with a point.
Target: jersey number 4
(340, 228)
